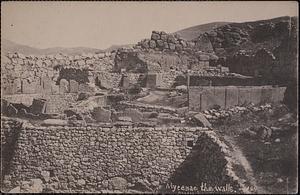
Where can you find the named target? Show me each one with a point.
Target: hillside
(265, 47)
(249, 36)
(194, 31)
(10, 46)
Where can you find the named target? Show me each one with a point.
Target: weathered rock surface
(200, 118)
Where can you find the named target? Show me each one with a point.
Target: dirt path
(240, 158)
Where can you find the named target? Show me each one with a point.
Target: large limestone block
(232, 97)
(54, 88)
(101, 115)
(55, 122)
(255, 95)
(194, 99)
(38, 106)
(17, 86)
(152, 44)
(278, 94)
(201, 120)
(134, 114)
(63, 86)
(219, 93)
(207, 99)
(171, 39)
(266, 94)
(46, 83)
(244, 96)
(39, 86)
(155, 36)
(74, 86)
(281, 93)
(117, 183)
(172, 46)
(160, 43)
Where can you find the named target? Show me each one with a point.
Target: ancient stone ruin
(138, 119)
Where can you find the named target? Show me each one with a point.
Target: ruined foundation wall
(96, 154)
(56, 103)
(30, 74)
(203, 98)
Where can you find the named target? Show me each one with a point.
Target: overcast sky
(101, 24)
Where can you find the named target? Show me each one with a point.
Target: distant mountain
(194, 31)
(115, 47)
(10, 46)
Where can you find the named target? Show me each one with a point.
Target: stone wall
(266, 47)
(168, 79)
(142, 61)
(203, 98)
(55, 103)
(108, 80)
(86, 158)
(164, 41)
(226, 80)
(161, 41)
(10, 130)
(31, 74)
(166, 62)
(260, 63)
(166, 52)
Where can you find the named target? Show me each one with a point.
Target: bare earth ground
(267, 166)
(271, 166)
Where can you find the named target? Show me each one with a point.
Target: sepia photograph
(149, 97)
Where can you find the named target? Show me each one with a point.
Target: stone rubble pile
(148, 108)
(286, 125)
(214, 115)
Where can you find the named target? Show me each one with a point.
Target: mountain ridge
(10, 46)
(194, 31)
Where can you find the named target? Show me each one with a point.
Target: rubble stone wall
(168, 79)
(203, 98)
(108, 80)
(10, 130)
(97, 154)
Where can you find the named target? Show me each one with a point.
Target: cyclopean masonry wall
(56, 78)
(204, 98)
(165, 52)
(31, 74)
(87, 158)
